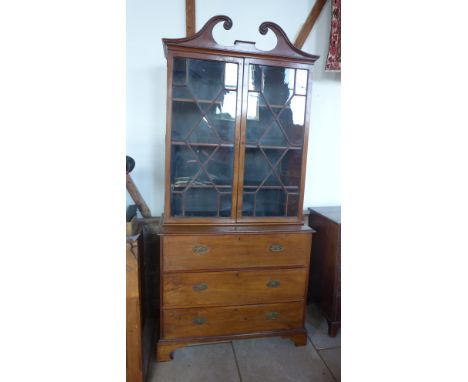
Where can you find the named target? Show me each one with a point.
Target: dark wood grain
(233, 277)
(232, 319)
(201, 230)
(325, 276)
(142, 287)
(165, 348)
(235, 251)
(134, 319)
(233, 287)
(203, 41)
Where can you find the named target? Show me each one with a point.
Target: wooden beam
(137, 198)
(190, 17)
(309, 23)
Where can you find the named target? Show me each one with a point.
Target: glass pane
(292, 120)
(185, 167)
(185, 117)
(179, 71)
(206, 78)
(230, 75)
(256, 168)
(293, 204)
(203, 133)
(203, 179)
(203, 128)
(270, 202)
(182, 93)
(203, 152)
(226, 204)
(176, 204)
(201, 202)
(301, 82)
(248, 203)
(255, 78)
(274, 155)
(274, 138)
(220, 166)
(259, 119)
(222, 116)
(289, 169)
(277, 84)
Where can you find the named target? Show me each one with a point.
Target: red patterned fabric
(334, 50)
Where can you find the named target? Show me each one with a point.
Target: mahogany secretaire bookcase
(234, 251)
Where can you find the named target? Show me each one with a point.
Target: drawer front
(199, 322)
(235, 251)
(233, 287)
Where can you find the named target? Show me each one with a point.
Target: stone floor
(258, 360)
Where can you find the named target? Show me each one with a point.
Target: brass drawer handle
(199, 320)
(276, 248)
(273, 284)
(200, 287)
(272, 315)
(200, 249)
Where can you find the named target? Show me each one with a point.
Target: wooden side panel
(134, 329)
(233, 288)
(325, 269)
(199, 322)
(235, 251)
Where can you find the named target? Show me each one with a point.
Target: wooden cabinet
(234, 252)
(325, 274)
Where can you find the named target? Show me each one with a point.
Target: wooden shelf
(274, 187)
(201, 186)
(192, 100)
(182, 143)
(178, 99)
(273, 147)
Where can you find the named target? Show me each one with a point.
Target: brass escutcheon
(276, 248)
(199, 320)
(273, 284)
(200, 249)
(272, 315)
(200, 287)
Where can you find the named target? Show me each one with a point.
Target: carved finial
(227, 23)
(283, 43)
(281, 36)
(204, 35)
(204, 39)
(207, 30)
(263, 28)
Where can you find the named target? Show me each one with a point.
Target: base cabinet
(325, 275)
(253, 285)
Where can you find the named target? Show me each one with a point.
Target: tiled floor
(258, 360)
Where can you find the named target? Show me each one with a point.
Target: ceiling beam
(309, 23)
(190, 17)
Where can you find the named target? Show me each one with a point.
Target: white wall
(148, 21)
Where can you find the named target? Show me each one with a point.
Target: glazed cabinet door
(274, 141)
(203, 138)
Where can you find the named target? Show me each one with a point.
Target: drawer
(233, 287)
(199, 322)
(235, 251)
